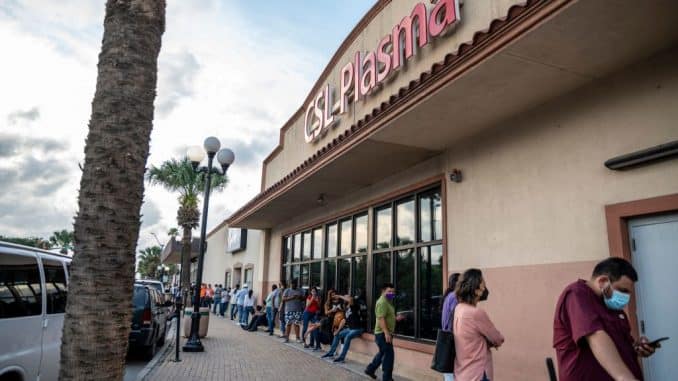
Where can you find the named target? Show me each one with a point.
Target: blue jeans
(384, 358)
(223, 308)
(270, 316)
(248, 311)
(234, 308)
(347, 334)
(282, 322)
(217, 302)
(241, 312)
(307, 317)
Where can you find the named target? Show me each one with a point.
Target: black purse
(445, 352)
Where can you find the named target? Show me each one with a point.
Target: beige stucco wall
(218, 261)
(476, 15)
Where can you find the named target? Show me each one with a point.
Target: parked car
(149, 319)
(33, 294)
(154, 283)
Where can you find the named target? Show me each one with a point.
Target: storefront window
(405, 222)
(295, 272)
(346, 235)
(359, 285)
(361, 234)
(331, 240)
(405, 290)
(430, 217)
(306, 246)
(304, 281)
(287, 250)
(317, 244)
(431, 290)
(382, 273)
(315, 275)
(297, 247)
(330, 273)
(383, 228)
(344, 276)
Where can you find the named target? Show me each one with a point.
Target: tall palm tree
(149, 260)
(97, 321)
(179, 176)
(62, 240)
(173, 232)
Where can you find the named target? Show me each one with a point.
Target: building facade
(447, 136)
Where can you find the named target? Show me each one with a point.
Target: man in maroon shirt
(591, 331)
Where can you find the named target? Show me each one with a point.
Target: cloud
(250, 154)
(150, 214)
(176, 76)
(19, 115)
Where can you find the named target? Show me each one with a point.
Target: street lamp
(225, 158)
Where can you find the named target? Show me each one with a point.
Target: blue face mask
(617, 301)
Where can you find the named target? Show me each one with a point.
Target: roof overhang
(541, 50)
(171, 253)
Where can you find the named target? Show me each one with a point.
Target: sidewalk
(234, 354)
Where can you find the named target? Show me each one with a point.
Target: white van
(33, 292)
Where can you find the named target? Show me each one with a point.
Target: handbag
(445, 351)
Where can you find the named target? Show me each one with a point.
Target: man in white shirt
(234, 300)
(272, 305)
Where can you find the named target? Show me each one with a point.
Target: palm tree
(97, 321)
(62, 240)
(173, 232)
(179, 176)
(149, 260)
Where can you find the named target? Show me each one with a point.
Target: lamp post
(225, 157)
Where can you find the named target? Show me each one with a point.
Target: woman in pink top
(474, 333)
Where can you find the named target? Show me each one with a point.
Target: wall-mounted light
(321, 199)
(649, 155)
(455, 175)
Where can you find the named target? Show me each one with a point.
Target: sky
(232, 69)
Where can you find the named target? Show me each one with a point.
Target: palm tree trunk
(98, 313)
(186, 263)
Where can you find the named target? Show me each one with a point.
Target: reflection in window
(317, 244)
(344, 276)
(20, 290)
(287, 250)
(306, 246)
(345, 243)
(382, 273)
(305, 276)
(431, 290)
(361, 234)
(55, 285)
(330, 274)
(430, 214)
(296, 272)
(331, 240)
(315, 275)
(359, 276)
(405, 222)
(383, 228)
(297, 247)
(404, 302)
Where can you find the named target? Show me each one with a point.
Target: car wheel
(150, 350)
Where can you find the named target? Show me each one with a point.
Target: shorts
(293, 317)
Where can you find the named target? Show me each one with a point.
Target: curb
(159, 357)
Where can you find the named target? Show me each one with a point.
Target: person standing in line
(281, 309)
(234, 300)
(272, 305)
(591, 331)
(217, 299)
(248, 307)
(294, 307)
(203, 294)
(474, 333)
(209, 295)
(310, 312)
(225, 300)
(383, 334)
(352, 328)
(240, 300)
(449, 303)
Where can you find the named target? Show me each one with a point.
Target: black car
(149, 320)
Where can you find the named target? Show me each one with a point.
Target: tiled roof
(497, 27)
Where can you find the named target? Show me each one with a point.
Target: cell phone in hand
(655, 343)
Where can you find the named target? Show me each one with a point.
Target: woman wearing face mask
(310, 313)
(474, 333)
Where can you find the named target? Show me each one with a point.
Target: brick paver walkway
(234, 354)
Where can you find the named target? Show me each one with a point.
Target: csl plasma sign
(368, 71)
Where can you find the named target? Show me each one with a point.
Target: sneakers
(286, 340)
(327, 355)
(306, 346)
(340, 359)
(371, 374)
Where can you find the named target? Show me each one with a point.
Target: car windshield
(140, 297)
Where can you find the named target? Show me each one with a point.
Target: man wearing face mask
(383, 334)
(591, 331)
